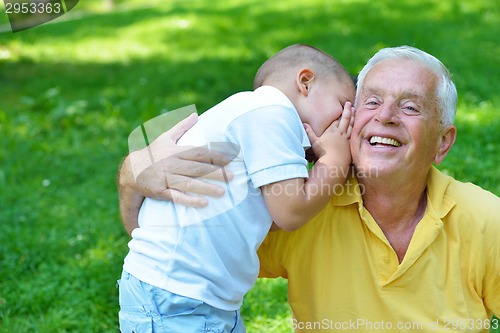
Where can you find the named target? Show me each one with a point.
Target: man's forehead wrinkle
(383, 91)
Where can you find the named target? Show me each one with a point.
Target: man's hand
(166, 171)
(175, 170)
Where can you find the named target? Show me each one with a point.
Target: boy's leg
(135, 314)
(146, 309)
(214, 320)
(184, 314)
(239, 326)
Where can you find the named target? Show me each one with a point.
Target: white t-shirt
(210, 253)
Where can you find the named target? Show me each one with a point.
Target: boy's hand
(304, 198)
(333, 144)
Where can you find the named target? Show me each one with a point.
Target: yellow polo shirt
(344, 276)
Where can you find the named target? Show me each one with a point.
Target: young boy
(189, 268)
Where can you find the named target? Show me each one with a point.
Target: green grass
(72, 91)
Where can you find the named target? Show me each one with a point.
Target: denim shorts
(148, 309)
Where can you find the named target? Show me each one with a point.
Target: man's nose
(387, 114)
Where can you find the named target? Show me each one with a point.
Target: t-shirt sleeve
(272, 141)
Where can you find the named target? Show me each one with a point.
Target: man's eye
(411, 110)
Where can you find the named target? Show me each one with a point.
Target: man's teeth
(386, 141)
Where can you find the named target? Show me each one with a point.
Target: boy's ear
(446, 142)
(305, 77)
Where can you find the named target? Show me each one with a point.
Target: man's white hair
(446, 91)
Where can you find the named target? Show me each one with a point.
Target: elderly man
(403, 247)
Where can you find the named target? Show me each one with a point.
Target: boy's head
(316, 83)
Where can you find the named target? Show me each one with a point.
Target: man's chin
(375, 169)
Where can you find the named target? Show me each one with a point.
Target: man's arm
(174, 177)
(294, 202)
(129, 200)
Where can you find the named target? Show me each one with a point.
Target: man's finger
(193, 185)
(185, 199)
(205, 155)
(176, 132)
(178, 168)
(219, 153)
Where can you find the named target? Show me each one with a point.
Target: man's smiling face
(397, 125)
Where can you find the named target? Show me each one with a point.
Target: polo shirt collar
(438, 206)
(349, 193)
(437, 186)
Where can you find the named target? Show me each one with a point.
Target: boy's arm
(293, 202)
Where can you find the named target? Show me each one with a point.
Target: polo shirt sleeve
(272, 141)
(492, 277)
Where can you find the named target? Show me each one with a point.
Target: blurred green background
(71, 91)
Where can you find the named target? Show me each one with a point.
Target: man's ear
(305, 77)
(446, 142)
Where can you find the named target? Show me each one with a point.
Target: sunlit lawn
(72, 91)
